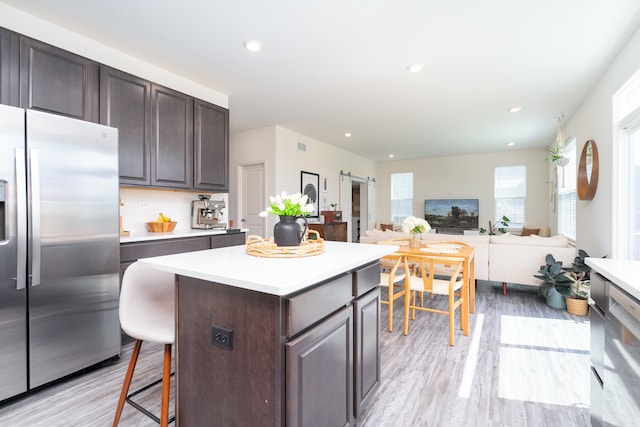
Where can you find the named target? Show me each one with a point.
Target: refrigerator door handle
(34, 163)
(21, 213)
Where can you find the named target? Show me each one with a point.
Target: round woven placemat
(266, 248)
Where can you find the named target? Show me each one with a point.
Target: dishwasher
(622, 359)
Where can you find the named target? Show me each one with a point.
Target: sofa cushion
(529, 231)
(371, 236)
(558, 241)
(467, 238)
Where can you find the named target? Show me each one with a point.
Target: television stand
(450, 230)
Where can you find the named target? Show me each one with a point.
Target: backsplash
(142, 205)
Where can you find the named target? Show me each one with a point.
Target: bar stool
(147, 313)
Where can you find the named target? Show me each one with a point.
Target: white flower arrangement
(411, 224)
(288, 205)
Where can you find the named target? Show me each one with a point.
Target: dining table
(449, 249)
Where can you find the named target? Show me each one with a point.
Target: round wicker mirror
(588, 171)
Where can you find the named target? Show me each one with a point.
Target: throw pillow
(386, 227)
(529, 231)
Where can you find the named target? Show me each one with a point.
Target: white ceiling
(335, 66)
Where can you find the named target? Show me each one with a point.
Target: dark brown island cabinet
(251, 358)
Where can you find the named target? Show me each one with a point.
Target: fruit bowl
(161, 227)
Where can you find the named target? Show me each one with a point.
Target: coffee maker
(206, 213)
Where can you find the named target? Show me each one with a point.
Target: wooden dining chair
(444, 269)
(427, 279)
(393, 277)
(393, 272)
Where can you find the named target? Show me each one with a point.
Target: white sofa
(503, 258)
(515, 259)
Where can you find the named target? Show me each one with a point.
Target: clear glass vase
(415, 240)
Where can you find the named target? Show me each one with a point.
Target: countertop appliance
(598, 307)
(622, 359)
(206, 213)
(59, 243)
(615, 342)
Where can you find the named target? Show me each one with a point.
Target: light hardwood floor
(523, 364)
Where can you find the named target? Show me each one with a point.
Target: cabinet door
(366, 348)
(224, 240)
(211, 147)
(172, 138)
(336, 231)
(57, 81)
(125, 103)
(9, 68)
(130, 252)
(319, 374)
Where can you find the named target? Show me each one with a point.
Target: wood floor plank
(523, 364)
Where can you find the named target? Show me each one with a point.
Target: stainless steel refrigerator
(59, 247)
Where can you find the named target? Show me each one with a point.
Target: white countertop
(175, 234)
(277, 276)
(623, 272)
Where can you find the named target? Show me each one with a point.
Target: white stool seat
(147, 313)
(147, 304)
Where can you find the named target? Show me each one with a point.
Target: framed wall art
(310, 186)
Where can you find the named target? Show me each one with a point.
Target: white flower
(290, 205)
(411, 224)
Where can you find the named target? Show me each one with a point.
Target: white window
(511, 193)
(567, 195)
(626, 183)
(401, 196)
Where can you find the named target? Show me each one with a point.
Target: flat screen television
(452, 213)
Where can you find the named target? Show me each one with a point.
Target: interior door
(346, 201)
(252, 199)
(370, 218)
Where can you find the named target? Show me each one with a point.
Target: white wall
(278, 148)
(593, 120)
(466, 177)
(140, 205)
(251, 147)
(34, 27)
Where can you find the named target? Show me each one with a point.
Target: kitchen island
(275, 341)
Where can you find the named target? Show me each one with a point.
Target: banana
(163, 218)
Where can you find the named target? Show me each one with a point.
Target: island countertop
(277, 276)
(623, 272)
(145, 236)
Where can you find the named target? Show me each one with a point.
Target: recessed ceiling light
(510, 144)
(348, 134)
(391, 156)
(415, 68)
(514, 109)
(253, 45)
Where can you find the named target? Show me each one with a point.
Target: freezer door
(13, 308)
(74, 245)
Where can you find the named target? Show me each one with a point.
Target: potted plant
(556, 154)
(555, 283)
(580, 281)
(500, 226)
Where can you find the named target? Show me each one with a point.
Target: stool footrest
(140, 407)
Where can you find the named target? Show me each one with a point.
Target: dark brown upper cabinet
(211, 147)
(57, 81)
(171, 138)
(125, 103)
(9, 68)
